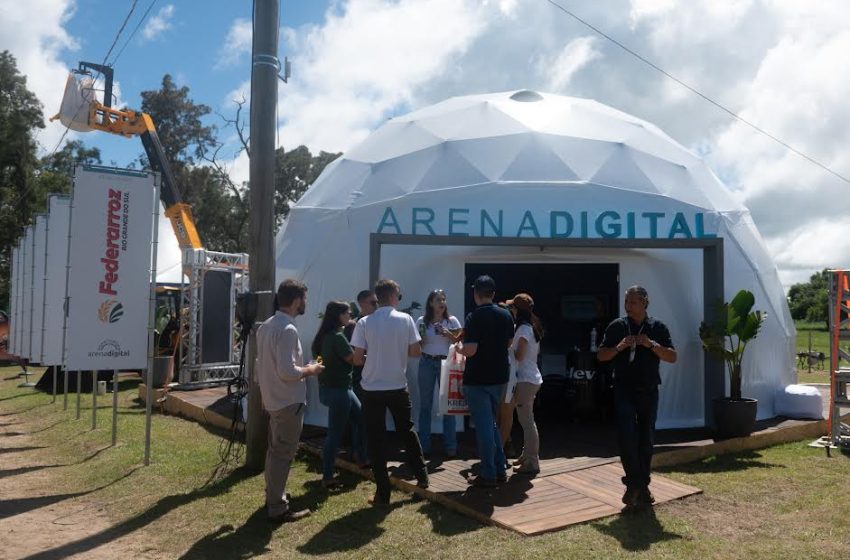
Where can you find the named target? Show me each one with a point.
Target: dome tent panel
(327, 245)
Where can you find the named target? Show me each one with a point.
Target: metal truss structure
(839, 330)
(197, 263)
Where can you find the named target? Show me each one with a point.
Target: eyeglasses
(399, 296)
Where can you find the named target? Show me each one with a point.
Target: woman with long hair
(435, 329)
(524, 349)
(335, 389)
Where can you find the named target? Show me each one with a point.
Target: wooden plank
(548, 525)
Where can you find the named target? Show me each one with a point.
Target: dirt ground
(36, 517)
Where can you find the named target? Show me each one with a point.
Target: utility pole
(264, 77)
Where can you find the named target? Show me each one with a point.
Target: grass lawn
(781, 502)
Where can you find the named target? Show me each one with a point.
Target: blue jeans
(429, 376)
(636, 413)
(484, 403)
(343, 412)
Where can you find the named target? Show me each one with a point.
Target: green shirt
(337, 372)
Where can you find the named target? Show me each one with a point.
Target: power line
(699, 93)
(120, 30)
(114, 42)
(133, 34)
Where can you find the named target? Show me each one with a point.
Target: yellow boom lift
(127, 123)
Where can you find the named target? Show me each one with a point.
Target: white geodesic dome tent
(522, 165)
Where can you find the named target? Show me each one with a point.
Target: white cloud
(562, 67)
(158, 24)
(37, 43)
(781, 64)
(236, 44)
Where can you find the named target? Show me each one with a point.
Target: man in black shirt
(487, 334)
(637, 344)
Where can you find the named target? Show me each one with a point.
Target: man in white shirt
(280, 373)
(390, 337)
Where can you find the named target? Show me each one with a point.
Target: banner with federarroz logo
(109, 259)
(54, 291)
(26, 290)
(39, 251)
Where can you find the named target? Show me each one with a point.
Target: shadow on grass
(446, 522)
(17, 449)
(350, 532)
(636, 531)
(31, 468)
(723, 463)
(156, 511)
(19, 395)
(23, 410)
(8, 508)
(249, 540)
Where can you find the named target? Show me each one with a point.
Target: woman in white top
(435, 329)
(524, 349)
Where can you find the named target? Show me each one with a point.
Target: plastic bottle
(593, 347)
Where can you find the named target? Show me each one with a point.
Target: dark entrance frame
(714, 385)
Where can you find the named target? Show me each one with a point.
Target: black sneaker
(645, 497)
(501, 478)
(422, 479)
(630, 498)
(289, 516)
(481, 482)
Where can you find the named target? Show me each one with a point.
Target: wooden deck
(568, 490)
(580, 472)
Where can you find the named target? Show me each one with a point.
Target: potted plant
(727, 339)
(163, 357)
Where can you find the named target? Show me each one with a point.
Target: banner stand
(114, 407)
(65, 386)
(79, 391)
(151, 320)
(93, 399)
(26, 375)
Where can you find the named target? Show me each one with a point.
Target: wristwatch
(653, 344)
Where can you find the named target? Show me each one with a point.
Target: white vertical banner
(109, 269)
(13, 300)
(39, 248)
(26, 309)
(54, 291)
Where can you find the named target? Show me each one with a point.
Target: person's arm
(468, 349)
(606, 353)
(664, 352)
(358, 342)
(414, 346)
(358, 358)
(469, 344)
(521, 349)
(343, 349)
(285, 348)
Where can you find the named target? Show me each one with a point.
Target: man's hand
(312, 369)
(627, 342)
(643, 340)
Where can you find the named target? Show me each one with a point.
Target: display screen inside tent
(216, 317)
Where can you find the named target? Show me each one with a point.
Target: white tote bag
(452, 400)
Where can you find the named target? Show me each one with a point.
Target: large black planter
(734, 418)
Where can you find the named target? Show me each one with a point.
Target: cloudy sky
(780, 64)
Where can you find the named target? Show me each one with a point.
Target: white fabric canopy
(526, 164)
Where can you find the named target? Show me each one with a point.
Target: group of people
(361, 366)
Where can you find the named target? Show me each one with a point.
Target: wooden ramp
(567, 491)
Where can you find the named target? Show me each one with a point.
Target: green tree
(809, 301)
(20, 115)
(295, 171)
(56, 169)
(184, 136)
